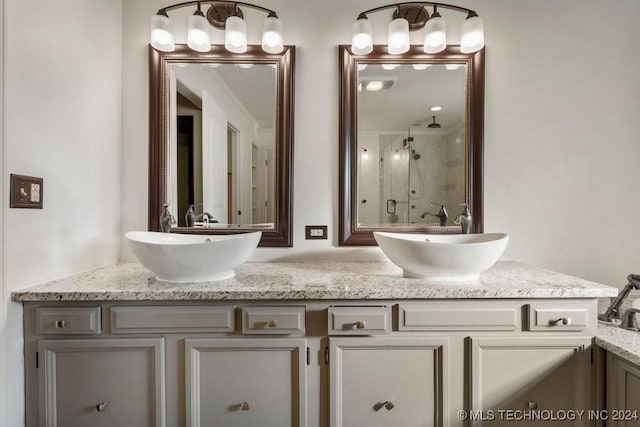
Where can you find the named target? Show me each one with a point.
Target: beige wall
(561, 128)
(61, 115)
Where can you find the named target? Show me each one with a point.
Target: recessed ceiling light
(435, 108)
(420, 67)
(390, 67)
(374, 85)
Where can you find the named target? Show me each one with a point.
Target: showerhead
(434, 125)
(415, 155)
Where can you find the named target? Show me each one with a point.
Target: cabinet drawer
(68, 320)
(459, 315)
(359, 320)
(549, 318)
(162, 319)
(273, 320)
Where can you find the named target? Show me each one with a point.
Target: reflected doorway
(233, 213)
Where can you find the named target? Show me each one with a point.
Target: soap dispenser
(190, 217)
(464, 219)
(166, 219)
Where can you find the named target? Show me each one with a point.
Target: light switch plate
(25, 192)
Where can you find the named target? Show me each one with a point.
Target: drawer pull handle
(245, 406)
(532, 405)
(272, 324)
(387, 404)
(60, 324)
(360, 324)
(566, 321)
(101, 407)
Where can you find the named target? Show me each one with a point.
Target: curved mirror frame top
(353, 231)
(278, 232)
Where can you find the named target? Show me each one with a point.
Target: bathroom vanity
(308, 344)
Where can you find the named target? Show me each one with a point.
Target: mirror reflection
(411, 143)
(221, 144)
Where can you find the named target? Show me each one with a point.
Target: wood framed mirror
(221, 141)
(411, 136)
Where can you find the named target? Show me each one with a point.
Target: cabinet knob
(360, 324)
(562, 321)
(532, 405)
(101, 407)
(245, 406)
(389, 405)
(59, 324)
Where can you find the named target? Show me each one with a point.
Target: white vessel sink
(192, 257)
(454, 257)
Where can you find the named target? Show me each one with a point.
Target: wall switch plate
(25, 192)
(315, 232)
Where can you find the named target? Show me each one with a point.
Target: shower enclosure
(412, 172)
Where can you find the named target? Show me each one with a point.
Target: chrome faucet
(464, 219)
(629, 320)
(442, 215)
(613, 312)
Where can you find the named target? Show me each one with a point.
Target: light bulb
(272, 38)
(398, 37)
(198, 38)
(435, 39)
(472, 35)
(235, 35)
(362, 38)
(162, 33)
(389, 67)
(420, 67)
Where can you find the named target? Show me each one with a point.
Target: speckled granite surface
(616, 340)
(620, 342)
(312, 281)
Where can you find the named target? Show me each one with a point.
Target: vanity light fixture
(222, 14)
(413, 16)
(389, 67)
(421, 67)
(435, 108)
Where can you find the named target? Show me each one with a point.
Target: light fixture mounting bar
(164, 10)
(418, 3)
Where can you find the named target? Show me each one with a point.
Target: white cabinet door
(623, 392)
(512, 376)
(102, 383)
(388, 382)
(246, 382)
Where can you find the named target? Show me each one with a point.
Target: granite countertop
(614, 339)
(312, 281)
(621, 342)
(335, 280)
